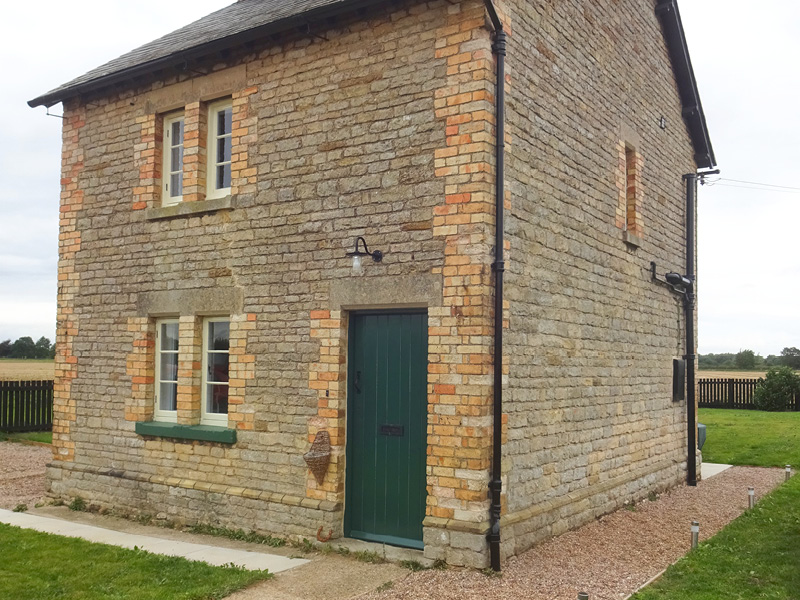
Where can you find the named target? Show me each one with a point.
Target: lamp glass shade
(358, 269)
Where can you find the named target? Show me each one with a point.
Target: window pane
(218, 367)
(224, 150)
(224, 121)
(223, 176)
(217, 396)
(176, 184)
(218, 334)
(168, 396)
(169, 336)
(169, 366)
(177, 133)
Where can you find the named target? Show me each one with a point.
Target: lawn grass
(45, 437)
(40, 566)
(749, 437)
(753, 558)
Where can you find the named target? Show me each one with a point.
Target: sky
(745, 58)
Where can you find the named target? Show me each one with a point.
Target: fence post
(730, 393)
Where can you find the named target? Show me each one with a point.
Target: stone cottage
(279, 269)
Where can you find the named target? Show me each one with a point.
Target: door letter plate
(395, 430)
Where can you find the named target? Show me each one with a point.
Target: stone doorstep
(172, 543)
(394, 554)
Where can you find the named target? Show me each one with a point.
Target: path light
(583, 596)
(788, 472)
(751, 497)
(357, 254)
(695, 533)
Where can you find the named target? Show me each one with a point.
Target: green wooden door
(386, 427)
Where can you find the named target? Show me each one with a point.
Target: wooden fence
(732, 393)
(26, 406)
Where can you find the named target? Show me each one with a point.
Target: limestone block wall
(591, 422)
(334, 136)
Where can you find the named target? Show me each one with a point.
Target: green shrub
(777, 390)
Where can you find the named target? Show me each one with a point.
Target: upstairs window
(172, 173)
(218, 174)
(166, 384)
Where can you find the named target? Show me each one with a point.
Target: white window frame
(214, 108)
(166, 151)
(169, 416)
(209, 418)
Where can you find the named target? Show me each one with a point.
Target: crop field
(26, 370)
(730, 374)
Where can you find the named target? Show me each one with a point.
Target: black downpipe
(496, 484)
(689, 306)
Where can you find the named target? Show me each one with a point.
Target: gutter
(496, 483)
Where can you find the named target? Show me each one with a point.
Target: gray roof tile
(239, 17)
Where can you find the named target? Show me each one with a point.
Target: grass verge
(749, 437)
(45, 437)
(40, 566)
(753, 558)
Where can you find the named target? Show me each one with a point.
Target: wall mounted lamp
(679, 284)
(357, 254)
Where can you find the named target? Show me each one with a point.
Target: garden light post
(751, 497)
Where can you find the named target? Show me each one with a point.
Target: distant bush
(777, 390)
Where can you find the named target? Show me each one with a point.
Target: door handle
(357, 381)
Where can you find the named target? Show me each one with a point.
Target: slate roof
(239, 22)
(248, 20)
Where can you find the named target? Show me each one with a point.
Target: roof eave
(176, 59)
(693, 115)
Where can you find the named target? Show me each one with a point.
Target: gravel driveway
(22, 468)
(609, 558)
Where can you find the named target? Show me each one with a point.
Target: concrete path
(710, 469)
(213, 555)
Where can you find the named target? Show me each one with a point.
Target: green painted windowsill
(205, 433)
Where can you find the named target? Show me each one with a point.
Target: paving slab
(710, 469)
(210, 554)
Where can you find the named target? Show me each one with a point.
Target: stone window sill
(634, 241)
(205, 433)
(185, 209)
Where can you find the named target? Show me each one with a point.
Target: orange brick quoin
(461, 333)
(69, 245)
(327, 378)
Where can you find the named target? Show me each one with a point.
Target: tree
(745, 359)
(23, 348)
(790, 357)
(43, 348)
(5, 348)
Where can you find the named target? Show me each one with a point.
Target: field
(730, 374)
(26, 370)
